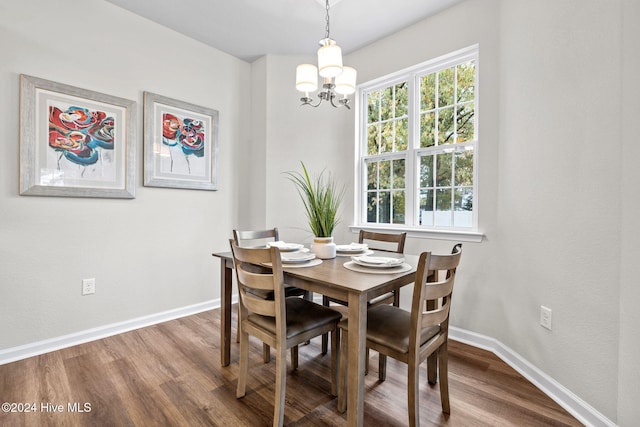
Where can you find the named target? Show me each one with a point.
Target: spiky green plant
(321, 198)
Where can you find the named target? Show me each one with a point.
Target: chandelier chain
(326, 34)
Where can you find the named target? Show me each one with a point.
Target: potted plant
(321, 197)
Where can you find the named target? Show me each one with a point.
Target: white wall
(149, 254)
(629, 350)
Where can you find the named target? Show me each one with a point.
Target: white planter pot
(323, 247)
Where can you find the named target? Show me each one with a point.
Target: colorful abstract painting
(180, 144)
(188, 134)
(79, 135)
(75, 142)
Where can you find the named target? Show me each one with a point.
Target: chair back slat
(263, 280)
(257, 305)
(387, 242)
(253, 238)
(435, 317)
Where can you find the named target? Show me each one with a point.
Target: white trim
(577, 407)
(421, 233)
(13, 354)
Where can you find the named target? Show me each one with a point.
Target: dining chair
(385, 242)
(413, 336)
(259, 238)
(282, 322)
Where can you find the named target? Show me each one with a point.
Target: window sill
(420, 233)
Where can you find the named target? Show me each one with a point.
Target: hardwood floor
(170, 375)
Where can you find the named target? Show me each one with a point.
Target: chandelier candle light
(337, 78)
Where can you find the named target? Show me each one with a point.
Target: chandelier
(338, 79)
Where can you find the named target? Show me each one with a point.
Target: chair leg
(238, 327)
(366, 361)
(266, 353)
(412, 393)
(443, 356)
(294, 357)
(342, 375)
(432, 368)
(244, 365)
(325, 337)
(335, 354)
(281, 384)
(382, 366)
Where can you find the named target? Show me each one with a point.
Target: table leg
(356, 359)
(226, 281)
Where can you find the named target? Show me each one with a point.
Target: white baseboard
(45, 346)
(577, 407)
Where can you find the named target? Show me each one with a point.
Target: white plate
(351, 265)
(377, 261)
(296, 257)
(285, 247)
(353, 248)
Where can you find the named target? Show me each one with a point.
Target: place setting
(294, 255)
(377, 264)
(353, 249)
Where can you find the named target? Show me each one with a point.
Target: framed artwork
(180, 143)
(75, 142)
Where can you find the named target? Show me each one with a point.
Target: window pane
(402, 99)
(373, 101)
(463, 199)
(443, 199)
(426, 207)
(464, 168)
(426, 171)
(398, 174)
(398, 207)
(373, 138)
(372, 176)
(443, 169)
(385, 175)
(464, 123)
(445, 87)
(386, 103)
(463, 206)
(384, 207)
(445, 126)
(443, 207)
(402, 127)
(428, 92)
(427, 130)
(466, 81)
(387, 138)
(372, 206)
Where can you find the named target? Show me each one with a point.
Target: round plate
(377, 261)
(353, 248)
(296, 257)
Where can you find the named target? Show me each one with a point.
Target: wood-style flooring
(170, 375)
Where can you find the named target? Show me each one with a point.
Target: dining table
(331, 278)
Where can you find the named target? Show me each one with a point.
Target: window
(417, 146)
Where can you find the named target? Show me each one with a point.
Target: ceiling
(249, 29)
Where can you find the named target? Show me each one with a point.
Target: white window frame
(411, 75)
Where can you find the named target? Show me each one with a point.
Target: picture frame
(75, 142)
(180, 144)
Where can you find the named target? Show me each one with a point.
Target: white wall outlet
(88, 286)
(545, 317)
